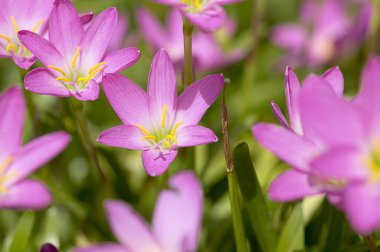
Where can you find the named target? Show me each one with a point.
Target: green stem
(31, 108)
(371, 243)
(374, 27)
(84, 134)
(188, 72)
(233, 190)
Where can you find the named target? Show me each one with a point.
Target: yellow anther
(167, 144)
(57, 69)
(14, 23)
(94, 72)
(149, 138)
(6, 38)
(75, 57)
(163, 119)
(82, 79)
(171, 138)
(6, 163)
(146, 132)
(62, 78)
(174, 129)
(197, 4)
(12, 47)
(94, 68)
(39, 23)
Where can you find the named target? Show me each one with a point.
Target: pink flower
(157, 122)
(175, 225)
(17, 162)
(75, 58)
(208, 15)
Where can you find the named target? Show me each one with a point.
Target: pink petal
(209, 19)
(97, 37)
(197, 98)
(86, 18)
(156, 162)
(279, 115)
(89, 93)
(195, 135)
(290, 186)
(125, 136)
(36, 153)
(24, 63)
(26, 194)
(177, 216)
(293, 37)
(151, 29)
(12, 113)
(65, 28)
(129, 227)
(335, 77)
(128, 100)
(168, 2)
(162, 87)
(41, 81)
(292, 89)
(285, 144)
(120, 60)
(224, 2)
(103, 248)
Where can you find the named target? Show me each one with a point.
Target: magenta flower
(48, 248)
(17, 162)
(157, 122)
(175, 225)
(170, 37)
(75, 58)
(296, 145)
(326, 31)
(208, 15)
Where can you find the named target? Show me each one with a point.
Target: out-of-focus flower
(157, 122)
(17, 162)
(295, 144)
(325, 32)
(75, 58)
(120, 33)
(175, 225)
(170, 37)
(48, 248)
(208, 15)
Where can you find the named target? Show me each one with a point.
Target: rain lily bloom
(17, 161)
(208, 15)
(170, 37)
(157, 122)
(294, 144)
(75, 58)
(175, 226)
(326, 31)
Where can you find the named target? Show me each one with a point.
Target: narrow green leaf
(254, 201)
(293, 233)
(22, 234)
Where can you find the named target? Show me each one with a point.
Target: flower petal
(89, 93)
(156, 162)
(290, 186)
(335, 77)
(41, 48)
(65, 28)
(285, 144)
(12, 114)
(293, 37)
(129, 101)
(178, 213)
(195, 135)
(209, 19)
(197, 98)
(151, 29)
(23, 62)
(129, 227)
(125, 136)
(292, 90)
(26, 194)
(36, 153)
(41, 81)
(111, 247)
(279, 115)
(120, 60)
(97, 37)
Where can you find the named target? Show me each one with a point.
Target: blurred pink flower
(75, 58)
(17, 162)
(325, 32)
(176, 221)
(208, 15)
(157, 122)
(170, 37)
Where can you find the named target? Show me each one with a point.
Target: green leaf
(254, 201)
(293, 233)
(23, 232)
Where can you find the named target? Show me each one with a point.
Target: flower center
(74, 79)
(14, 45)
(164, 138)
(194, 5)
(5, 176)
(373, 163)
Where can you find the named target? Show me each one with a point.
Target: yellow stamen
(14, 23)
(171, 138)
(149, 137)
(164, 116)
(6, 38)
(82, 79)
(95, 72)
(6, 163)
(172, 132)
(197, 4)
(62, 78)
(57, 69)
(167, 144)
(11, 47)
(75, 57)
(96, 66)
(146, 132)
(39, 23)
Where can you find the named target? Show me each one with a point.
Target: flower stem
(188, 72)
(233, 190)
(374, 27)
(83, 132)
(371, 243)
